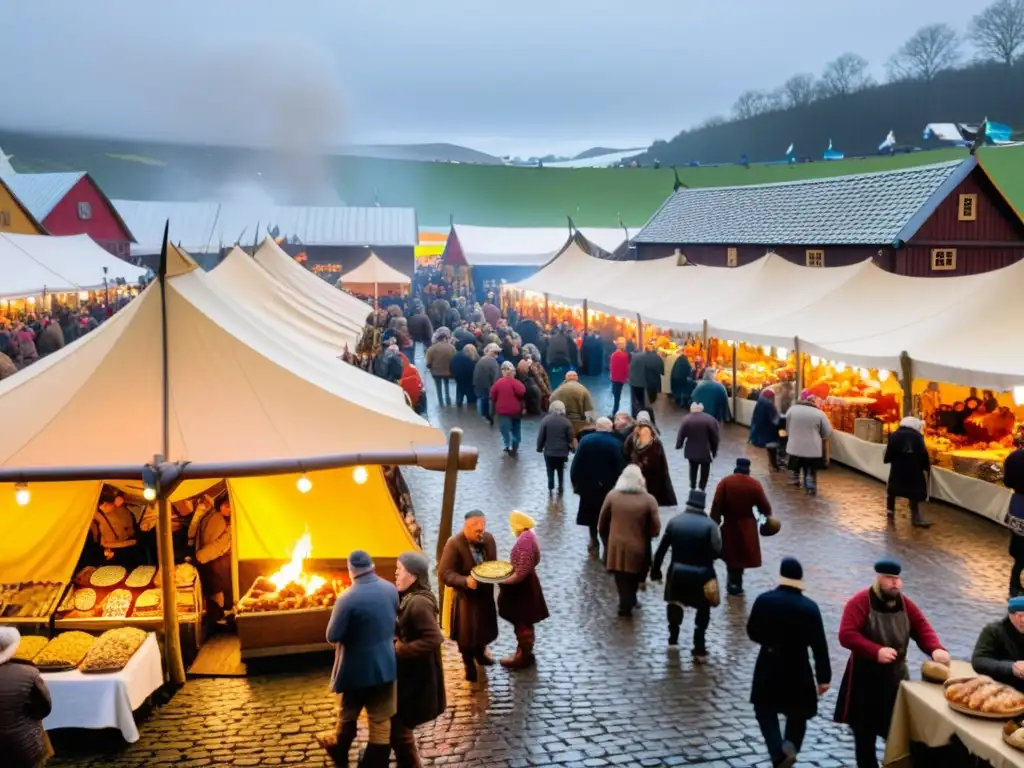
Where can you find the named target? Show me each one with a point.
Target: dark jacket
(999, 646)
(695, 542)
(595, 469)
(654, 464)
(24, 702)
(461, 367)
(646, 370)
(764, 424)
(362, 628)
(736, 498)
(485, 373)
(51, 339)
(561, 352)
(698, 436)
(681, 380)
(462, 337)
(420, 328)
(421, 694)
(1013, 478)
(714, 397)
(528, 331)
(786, 624)
(554, 436)
(907, 458)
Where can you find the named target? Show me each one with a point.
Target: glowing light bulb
(766, 350)
(304, 484)
(863, 373)
(815, 361)
(1018, 396)
(883, 375)
(22, 495)
(840, 367)
(360, 475)
(782, 354)
(149, 494)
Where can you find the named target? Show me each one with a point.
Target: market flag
(789, 152)
(889, 143)
(678, 183)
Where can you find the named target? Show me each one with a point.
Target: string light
(1018, 396)
(360, 475)
(815, 361)
(304, 484)
(883, 375)
(148, 493)
(782, 354)
(840, 367)
(22, 495)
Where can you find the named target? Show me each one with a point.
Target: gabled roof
(524, 246)
(374, 270)
(22, 207)
(41, 192)
(862, 209)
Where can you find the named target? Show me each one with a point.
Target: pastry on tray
(83, 576)
(141, 577)
(492, 571)
(113, 650)
(85, 599)
(117, 603)
(66, 650)
(29, 647)
(148, 603)
(984, 696)
(107, 576)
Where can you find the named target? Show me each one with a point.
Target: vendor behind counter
(113, 534)
(999, 652)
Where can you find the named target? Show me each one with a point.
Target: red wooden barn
(72, 204)
(927, 221)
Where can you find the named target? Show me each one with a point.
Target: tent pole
(451, 478)
(165, 543)
(799, 367)
(547, 311)
(734, 383)
(639, 333)
(907, 376)
(586, 318)
(704, 344)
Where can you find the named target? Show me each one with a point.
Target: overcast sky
(533, 76)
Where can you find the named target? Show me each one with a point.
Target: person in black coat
(786, 623)
(528, 331)
(462, 366)
(999, 652)
(1013, 478)
(907, 456)
(595, 468)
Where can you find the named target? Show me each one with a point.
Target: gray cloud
(529, 76)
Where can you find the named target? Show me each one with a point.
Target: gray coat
(485, 373)
(362, 629)
(698, 437)
(807, 427)
(24, 702)
(554, 436)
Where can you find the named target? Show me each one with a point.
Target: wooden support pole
(547, 310)
(451, 479)
(639, 333)
(165, 551)
(734, 386)
(704, 344)
(799, 369)
(907, 383)
(586, 318)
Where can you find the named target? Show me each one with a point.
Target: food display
(148, 603)
(492, 571)
(83, 577)
(29, 600)
(29, 647)
(933, 672)
(65, 651)
(981, 696)
(1013, 733)
(184, 576)
(116, 604)
(113, 650)
(265, 596)
(107, 576)
(68, 603)
(757, 368)
(141, 577)
(85, 599)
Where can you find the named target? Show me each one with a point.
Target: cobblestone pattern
(606, 691)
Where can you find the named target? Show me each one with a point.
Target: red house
(926, 221)
(72, 204)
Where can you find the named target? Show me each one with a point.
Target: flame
(292, 573)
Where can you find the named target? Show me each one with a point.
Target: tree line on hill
(939, 74)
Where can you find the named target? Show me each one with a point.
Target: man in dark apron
(877, 626)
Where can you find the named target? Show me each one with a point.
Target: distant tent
(832, 154)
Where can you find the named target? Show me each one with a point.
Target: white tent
(317, 292)
(528, 246)
(236, 392)
(371, 274)
(30, 264)
(239, 278)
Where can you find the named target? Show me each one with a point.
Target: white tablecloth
(105, 700)
(744, 411)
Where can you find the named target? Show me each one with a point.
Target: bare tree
(929, 51)
(712, 122)
(799, 90)
(749, 104)
(998, 31)
(845, 75)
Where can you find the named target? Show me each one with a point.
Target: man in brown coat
(576, 399)
(474, 620)
(628, 523)
(736, 498)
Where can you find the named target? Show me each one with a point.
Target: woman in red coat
(736, 498)
(509, 397)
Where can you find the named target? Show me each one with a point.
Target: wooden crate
(280, 633)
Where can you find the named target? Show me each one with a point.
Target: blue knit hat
(360, 562)
(1016, 604)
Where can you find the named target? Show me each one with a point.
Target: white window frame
(84, 211)
(940, 262)
(973, 200)
(813, 255)
(732, 257)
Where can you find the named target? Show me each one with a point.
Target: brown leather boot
(338, 743)
(523, 657)
(376, 756)
(403, 743)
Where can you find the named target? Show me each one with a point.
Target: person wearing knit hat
(698, 437)
(418, 639)
(787, 624)
(877, 626)
(520, 597)
(999, 651)
(696, 543)
(909, 470)
(362, 631)
(24, 702)
(740, 502)
(473, 618)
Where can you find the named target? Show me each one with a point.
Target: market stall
(374, 278)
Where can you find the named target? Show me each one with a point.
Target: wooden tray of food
(492, 571)
(982, 697)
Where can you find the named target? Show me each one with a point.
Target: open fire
(293, 573)
(291, 587)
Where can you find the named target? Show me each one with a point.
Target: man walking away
(362, 631)
(807, 428)
(618, 371)
(909, 470)
(736, 498)
(698, 436)
(595, 469)
(786, 624)
(645, 372)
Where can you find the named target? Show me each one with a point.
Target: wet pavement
(606, 691)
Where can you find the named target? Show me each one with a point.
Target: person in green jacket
(999, 652)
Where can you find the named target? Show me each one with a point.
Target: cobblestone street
(606, 691)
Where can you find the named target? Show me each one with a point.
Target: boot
(673, 634)
(338, 743)
(376, 756)
(523, 657)
(700, 651)
(484, 658)
(470, 664)
(773, 459)
(918, 521)
(403, 744)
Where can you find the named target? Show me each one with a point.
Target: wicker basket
(869, 430)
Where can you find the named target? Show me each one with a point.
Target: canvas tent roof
(271, 302)
(30, 264)
(319, 293)
(527, 246)
(374, 271)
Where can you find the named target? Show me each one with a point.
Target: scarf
(418, 588)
